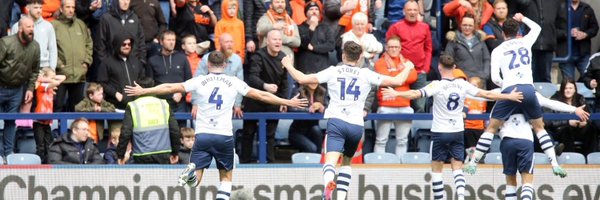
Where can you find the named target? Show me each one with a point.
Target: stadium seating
(546, 89)
(540, 158)
(1, 160)
(381, 158)
(416, 158)
(306, 158)
(23, 159)
(571, 158)
(420, 131)
(583, 90)
(495, 146)
(493, 158)
(593, 158)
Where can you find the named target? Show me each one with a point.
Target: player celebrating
(448, 126)
(512, 58)
(214, 138)
(348, 87)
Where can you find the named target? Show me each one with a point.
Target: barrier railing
(261, 117)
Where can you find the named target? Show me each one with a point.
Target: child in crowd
(94, 102)
(188, 136)
(110, 156)
(44, 93)
(474, 128)
(232, 25)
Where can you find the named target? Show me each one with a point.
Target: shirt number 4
(215, 98)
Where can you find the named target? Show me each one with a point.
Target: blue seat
(540, 158)
(493, 158)
(495, 146)
(416, 158)
(571, 158)
(23, 159)
(306, 158)
(381, 158)
(593, 158)
(546, 89)
(1, 160)
(583, 90)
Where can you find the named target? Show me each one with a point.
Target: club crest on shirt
(213, 122)
(452, 121)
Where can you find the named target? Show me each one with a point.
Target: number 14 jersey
(448, 103)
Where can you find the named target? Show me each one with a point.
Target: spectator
(469, 51)
(299, 9)
(548, 15)
(307, 134)
(193, 18)
(151, 127)
(189, 47)
(234, 68)
(188, 136)
(110, 156)
(481, 10)
(153, 23)
(75, 48)
(233, 26)
(371, 47)
(75, 147)
(394, 10)
(277, 19)
(391, 64)
(50, 9)
(592, 75)
(584, 28)
(266, 73)
(473, 128)
(316, 41)
(493, 29)
(348, 8)
(415, 38)
(44, 93)
(90, 11)
(170, 66)
(120, 19)
(253, 11)
(95, 103)
(19, 65)
(43, 34)
(569, 131)
(5, 15)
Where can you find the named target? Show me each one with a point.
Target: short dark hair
(447, 61)
(511, 27)
(145, 82)
(352, 50)
(35, 2)
(92, 88)
(78, 121)
(216, 58)
(165, 33)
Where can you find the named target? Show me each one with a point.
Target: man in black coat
(75, 147)
(316, 42)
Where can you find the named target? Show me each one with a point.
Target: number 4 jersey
(348, 87)
(448, 103)
(216, 95)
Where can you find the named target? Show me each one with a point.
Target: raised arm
(563, 107)
(300, 77)
(495, 67)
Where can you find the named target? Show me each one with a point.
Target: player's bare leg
(511, 188)
(225, 176)
(344, 178)
(547, 146)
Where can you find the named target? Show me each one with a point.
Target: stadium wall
(277, 181)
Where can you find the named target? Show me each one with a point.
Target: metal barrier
(261, 117)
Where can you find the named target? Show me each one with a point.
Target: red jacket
(454, 9)
(416, 43)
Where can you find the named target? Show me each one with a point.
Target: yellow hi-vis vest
(150, 126)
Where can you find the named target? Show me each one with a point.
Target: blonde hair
(476, 81)
(359, 17)
(47, 72)
(93, 87)
(115, 133)
(187, 132)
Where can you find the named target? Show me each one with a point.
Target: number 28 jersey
(348, 88)
(216, 95)
(448, 103)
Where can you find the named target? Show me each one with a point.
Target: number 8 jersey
(348, 88)
(448, 103)
(216, 95)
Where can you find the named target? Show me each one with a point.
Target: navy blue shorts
(447, 145)
(343, 137)
(208, 146)
(517, 154)
(529, 106)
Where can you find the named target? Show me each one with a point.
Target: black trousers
(162, 158)
(250, 129)
(43, 138)
(74, 92)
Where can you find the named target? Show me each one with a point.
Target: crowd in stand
(79, 55)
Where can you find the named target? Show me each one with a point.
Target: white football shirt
(513, 58)
(448, 102)
(348, 87)
(216, 95)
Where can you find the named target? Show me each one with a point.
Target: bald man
(234, 68)
(19, 63)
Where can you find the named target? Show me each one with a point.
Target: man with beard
(277, 19)
(43, 34)
(265, 73)
(19, 68)
(170, 66)
(75, 56)
(233, 68)
(316, 41)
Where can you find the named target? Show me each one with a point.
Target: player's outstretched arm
(563, 107)
(399, 79)
(514, 95)
(272, 99)
(297, 75)
(166, 88)
(391, 93)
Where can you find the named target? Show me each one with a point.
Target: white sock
(483, 145)
(510, 193)
(343, 182)
(459, 182)
(547, 146)
(224, 191)
(527, 192)
(437, 184)
(328, 173)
